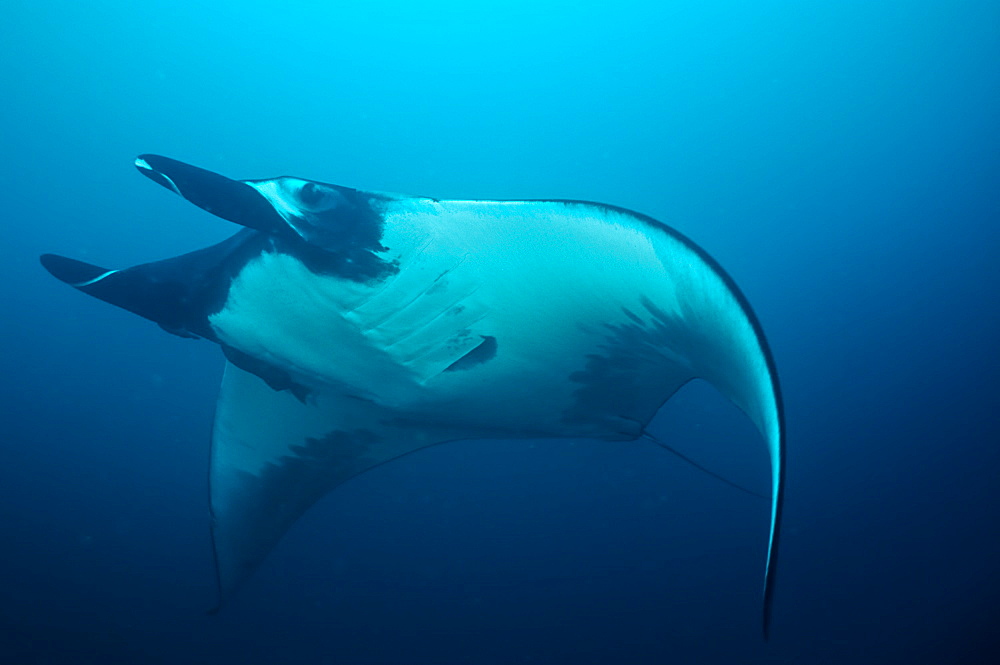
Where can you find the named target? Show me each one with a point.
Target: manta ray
(361, 326)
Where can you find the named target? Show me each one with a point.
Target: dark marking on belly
(486, 351)
(357, 264)
(632, 373)
(275, 377)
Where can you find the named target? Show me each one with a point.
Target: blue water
(841, 160)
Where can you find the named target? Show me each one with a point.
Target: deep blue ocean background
(841, 160)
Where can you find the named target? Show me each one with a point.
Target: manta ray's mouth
(232, 200)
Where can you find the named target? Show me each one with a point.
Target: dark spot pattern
(270, 501)
(484, 352)
(275, 377)
(623, 385)
(357, 265)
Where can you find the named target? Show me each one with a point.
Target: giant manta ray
(361, 326)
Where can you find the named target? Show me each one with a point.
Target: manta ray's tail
(718, 334)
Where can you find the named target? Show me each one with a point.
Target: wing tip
(777, 511)
(71, 271)
(766, 619)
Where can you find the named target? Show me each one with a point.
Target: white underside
(546, 280)
(550, 281)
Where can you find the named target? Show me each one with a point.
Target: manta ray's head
(334, 218)
(333, 230)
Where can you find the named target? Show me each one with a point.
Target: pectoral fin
(273, 456)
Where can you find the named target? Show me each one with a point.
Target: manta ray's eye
(317, 198)
(310, 194)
